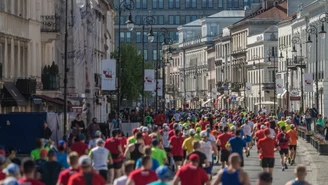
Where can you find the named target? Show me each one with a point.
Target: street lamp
(271, 53)
(147, 21)
(123, 6)
(255, 57)
(297, 40)
(285, 48)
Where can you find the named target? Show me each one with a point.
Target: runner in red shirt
(79, 146)
(122, 139)
(283, 140)
(221, 141)
(79, 178)
(29, 169)
(160, 119)
(114, 146)
(143, 175)
(64, 176)
(191, 173)
(172, 131)
(266, 147)
(260, 133)
(145, 134)
(176, 142)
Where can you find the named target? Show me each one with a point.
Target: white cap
(164, 125)
(98, 133)
(100, 141)
(203, 133)
(263, 126)
(192, 131)
(233, 128)
(292, 125)
(85, 160)
(166, 128)
(234, 122)
(288, 120)
(145, 129)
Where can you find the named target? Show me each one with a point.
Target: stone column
(28, 64)
(19, 73)
(12, 58)
(5, 64)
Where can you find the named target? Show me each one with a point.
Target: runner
(293, 134)
(233, 174)
(50, 170)
(158, 154)
(101, 159)
(135, 151)
(114, 145)
(260, 133)
(300, 174)
(145, 134)
(12, 172)
(92, 142)
(283, 139)
(176, 142)
(64, 176)
(264, 178)
(128, 168)
(143, 175)
(247, 135)
(222, 141)
(28, 169)
(86, 175)
(266, 146)
(148, 152)
(61, 154)
(187, 143)
(79, 146)
(164, 175)
(207, 148)
(203, 162)
(148, 119)
(132, 139)
(236, 145)
(191, 173)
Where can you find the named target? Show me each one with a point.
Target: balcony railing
(50, 23)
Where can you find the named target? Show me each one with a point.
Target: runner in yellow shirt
(187, 143)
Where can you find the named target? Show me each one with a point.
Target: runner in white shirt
(207, 147)
(101, 158)
(177, 117)
(247, 135)
(128, 167)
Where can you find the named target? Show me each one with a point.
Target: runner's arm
(214, 148)
(175, 181)
(129, 182)
(217, 179)
(245, 179)
(128, 150)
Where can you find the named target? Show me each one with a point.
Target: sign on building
(149, 80)
(108, 75)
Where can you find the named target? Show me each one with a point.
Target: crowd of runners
(181, 149)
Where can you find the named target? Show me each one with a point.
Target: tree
(131, 75)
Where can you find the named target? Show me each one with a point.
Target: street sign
(295, 98)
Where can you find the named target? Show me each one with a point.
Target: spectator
(46, 132)
(320, 124)
(93, 128)
(12, 156)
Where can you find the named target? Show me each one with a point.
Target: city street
(253, 169)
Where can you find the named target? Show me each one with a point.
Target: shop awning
(53, 100)
(14, 93)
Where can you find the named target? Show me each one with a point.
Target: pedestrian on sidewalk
(300, 174)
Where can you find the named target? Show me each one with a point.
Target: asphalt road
(253, 169)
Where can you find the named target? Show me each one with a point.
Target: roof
(197, 22)
(229, 13)
(275, 12)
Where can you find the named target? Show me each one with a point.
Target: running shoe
(286, 167)
(283, 169)
(293, 162)
(289, 161)
(248, 154)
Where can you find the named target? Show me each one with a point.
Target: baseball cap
(163, 172)
(85, 160)
(192, 131)
(288, 121)
(263, 126)
(43, 153)
(267, 131)
(194, 157)
(134, 131)
(98, 133)
(292, 125)
(203, 134)
(61, 143)
(100, 141)
(11, 169)
(166, 128)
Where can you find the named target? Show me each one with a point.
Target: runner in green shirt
(158, 153)
(149, 119)
(35, 154)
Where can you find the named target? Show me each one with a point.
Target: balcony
(14, 25)
(50, 28)
(268, 86)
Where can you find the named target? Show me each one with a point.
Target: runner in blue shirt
(236, 145)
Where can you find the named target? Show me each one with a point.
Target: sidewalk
(317, 164)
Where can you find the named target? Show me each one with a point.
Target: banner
(149, 80)
(279, 86)
(160, 87)
(248, 89)
(188, 96)
(108, 75)
(308, 82)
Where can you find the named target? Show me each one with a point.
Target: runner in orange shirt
(293, 134)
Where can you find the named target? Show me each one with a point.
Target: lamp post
(255, 57)
(297, 40)
(285, 48)
(123, 6)
(147, 21)
(312, 30)
(272, 54)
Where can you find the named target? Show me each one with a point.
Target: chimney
(268, 4)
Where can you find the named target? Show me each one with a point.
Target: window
(171, 3)
(146, 54)
(177, 3)
(155, 36)
(193, 17)
(177, 19)
(187, 3)
(138, 19)
(194, 3)
(138, 36)
(144, 4)
(188, 19)
(161, 4)
(154, 3)
(122, 36)
(176, 36)
(160, 19)
(171, 19)
(229, 3)
(210, 3)
(172, 34)
(128, 36)
(122, 19)
(204, 3)
(145, 36)
(236, 4)
(220, 4)
(138, 4)
(154, 54)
